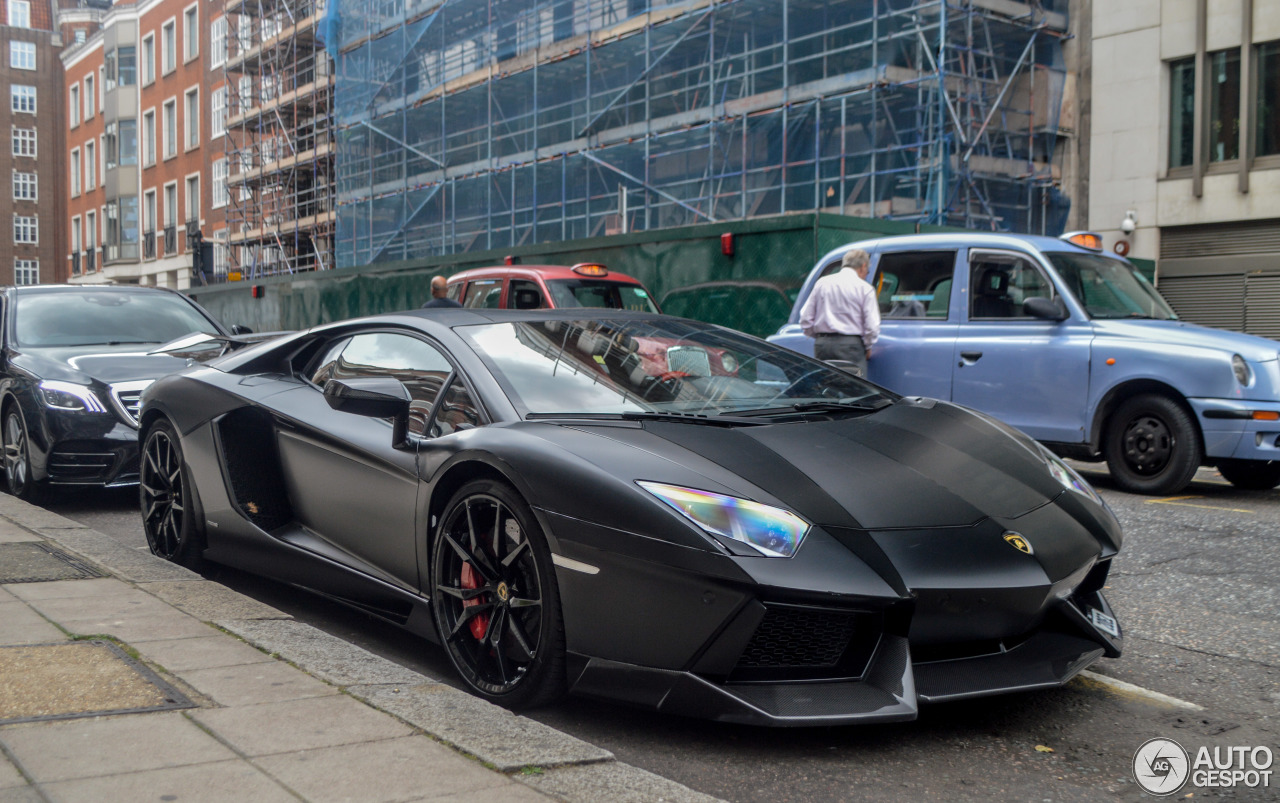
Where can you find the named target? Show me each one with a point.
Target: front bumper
(80, 449)
(1231, 431)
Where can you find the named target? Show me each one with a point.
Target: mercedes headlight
(773, 532)
(70, 396)
(1241, 369)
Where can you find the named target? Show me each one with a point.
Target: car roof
(89, 288)
(969, 239)
(534, 271)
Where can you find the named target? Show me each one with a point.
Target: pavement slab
(69, 589)
(287, 727)
(202, 783)
(402, 769)
(323, 655)
(251, 684)
(9, 775)
(209, 601)
(204, 652)
(21, 625)
(615, 782)
(89, 748)
(33, 517)
(491, 733)
(124, 562)
(169, 625)
(11, 533)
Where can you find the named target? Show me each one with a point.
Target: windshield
(1109, 288)
(43, 320)
(606, 366)
(602, 294)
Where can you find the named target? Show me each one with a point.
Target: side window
(999, 284)
(455, 290)
(457, 411)
(915, 284)
(322, 368)
(416, 363)
(486, 293)
(524, 294)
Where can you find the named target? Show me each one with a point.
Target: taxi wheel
(1251, 475)
(1152, 445)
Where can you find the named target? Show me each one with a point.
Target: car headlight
(1241, 369)
(773, 532)
(70, 396)
(1070, 479)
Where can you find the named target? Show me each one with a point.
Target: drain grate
(79, 679)
(38, 562)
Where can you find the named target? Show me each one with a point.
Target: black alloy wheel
(1251, 475)
(17, 459)
(495, 599)
(1152, 445)
(168, 516)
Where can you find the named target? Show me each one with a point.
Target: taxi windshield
(1109, 288)
(600, 293)
(619, 367)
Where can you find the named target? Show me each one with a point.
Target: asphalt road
(1196, 588)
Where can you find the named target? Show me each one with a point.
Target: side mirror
(373, 397)
(1050, 309)
(241, 329)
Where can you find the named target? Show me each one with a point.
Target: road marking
(1130, 690)
(1176, 501)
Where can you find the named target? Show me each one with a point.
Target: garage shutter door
(1207, 300)
(1220, 239)
(1262, 305)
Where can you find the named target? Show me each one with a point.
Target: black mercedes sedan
(638, 507)
(73, 363)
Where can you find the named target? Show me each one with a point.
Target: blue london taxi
(1072, 346)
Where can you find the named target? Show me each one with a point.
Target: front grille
(65, 465)
(689, 360)
(128, 398)
(799, 637)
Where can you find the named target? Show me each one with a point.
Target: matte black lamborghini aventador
(638, 507)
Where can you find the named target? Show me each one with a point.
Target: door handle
(969, 357)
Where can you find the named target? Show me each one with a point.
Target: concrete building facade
(1185, 151)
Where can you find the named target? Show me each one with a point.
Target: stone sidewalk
(125, 678)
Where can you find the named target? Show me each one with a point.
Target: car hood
(911, 465)
(1181, 334)
(107, 364)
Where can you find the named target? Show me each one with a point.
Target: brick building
(144, 148)
(31, 201)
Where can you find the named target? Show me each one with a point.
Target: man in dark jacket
(439, 294)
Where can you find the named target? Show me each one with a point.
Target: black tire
(169, 517)
(1152, 445)
(1251, 475)
(499, 620)
(17, 459)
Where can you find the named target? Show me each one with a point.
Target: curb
(539, 756)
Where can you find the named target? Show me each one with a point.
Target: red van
(549, 287)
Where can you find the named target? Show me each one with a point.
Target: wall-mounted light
(1130, 222)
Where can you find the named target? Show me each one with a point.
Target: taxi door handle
(969, 357)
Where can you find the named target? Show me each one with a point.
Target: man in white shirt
(842, 314)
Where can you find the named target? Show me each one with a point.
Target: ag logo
(1019, 543)
(1161, 766)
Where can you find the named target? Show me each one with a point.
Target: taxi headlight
(70, 396)
(771, 531)
(1241, 369)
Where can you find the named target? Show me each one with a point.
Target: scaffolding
(279, 141)
(476, 124)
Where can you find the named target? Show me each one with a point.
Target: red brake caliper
(480, 623)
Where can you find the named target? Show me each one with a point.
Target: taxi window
(915, 284)
(1000, 283)
(525, 295)
(455, 291)
(485, 293)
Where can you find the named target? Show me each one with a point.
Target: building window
(19, 14)
(170, 128)
(1268, 99)
(24, 142)
(26, 271)
(1182, 112)
(90, 97)
(149, 138)
(22, 98)
(22, 55)
(220, 196)
(1224, 105)
(110, 146)
(122, 67)
(75, 172)
(26, 229)
(81, 36)
(128, 141)
(170, 206)
(192, 118)
(191, 33)
(218, 112)
(169, 47)
(148, 59)
(75, 246)
(74, 100)
(193, 198)
(218, 42)
(26, 187)
(90, 165)
(245, 100)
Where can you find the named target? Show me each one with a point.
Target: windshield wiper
(650, 415)
(820, 407)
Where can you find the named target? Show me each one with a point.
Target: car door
(918, 322)
(1029, 372)
(347, 482)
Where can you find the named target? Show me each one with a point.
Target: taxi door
(1029, 372)
(918, 321)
